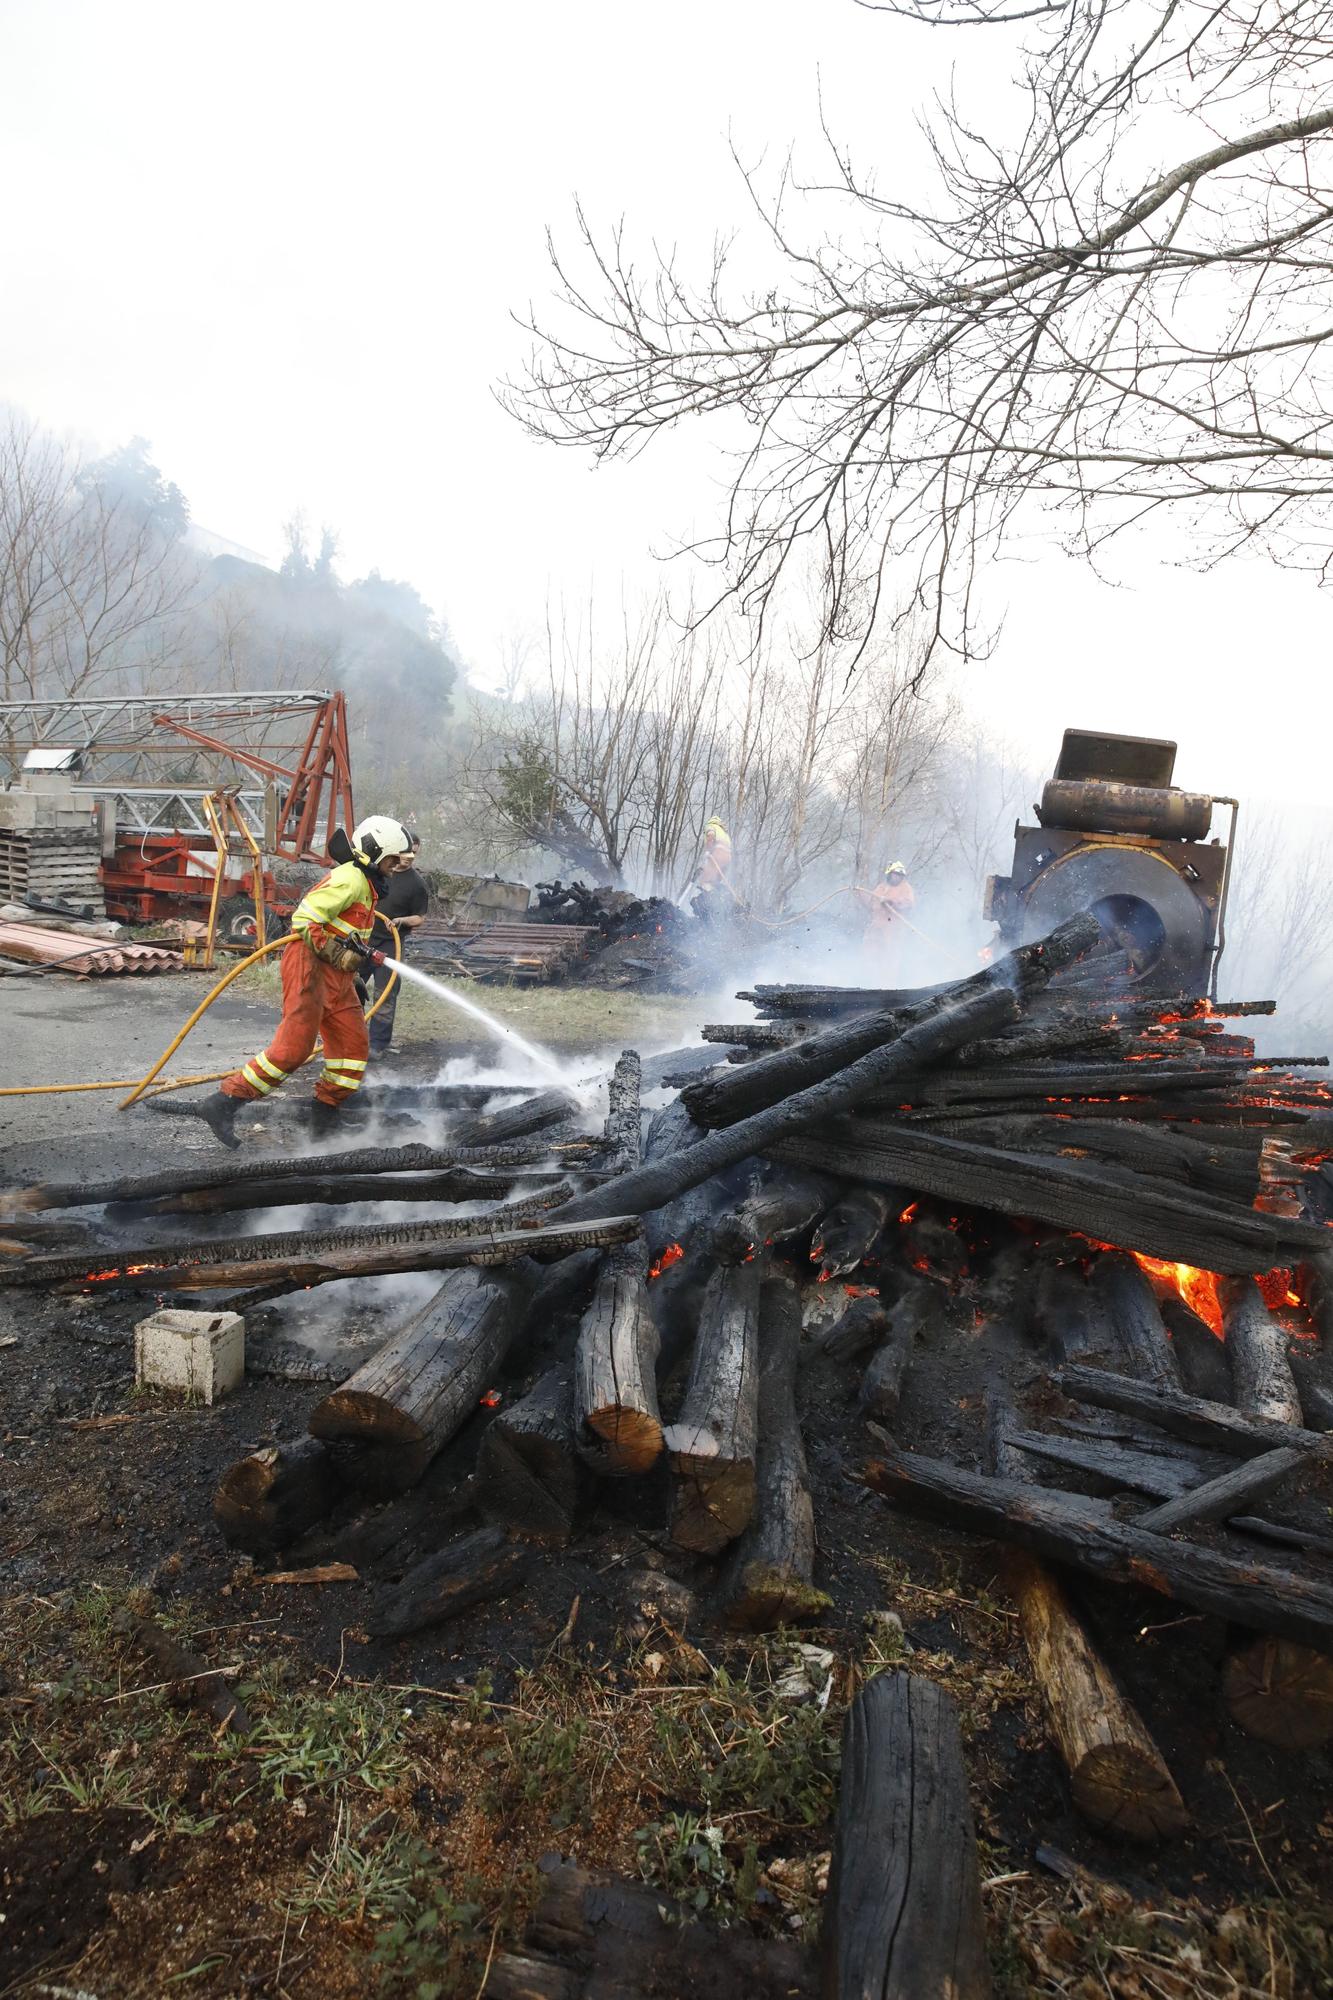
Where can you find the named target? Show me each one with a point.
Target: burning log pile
(1080, 1234)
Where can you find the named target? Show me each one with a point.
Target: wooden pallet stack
(56, 863)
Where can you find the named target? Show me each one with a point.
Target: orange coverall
(317, 1000)
(883, 935)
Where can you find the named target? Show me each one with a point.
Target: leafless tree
(983, 790)
(1280, 921)
(1116, 303)
(89, 587)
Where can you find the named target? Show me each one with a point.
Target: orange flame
(1197, 1288)
(909, 1211)
(671, 1255)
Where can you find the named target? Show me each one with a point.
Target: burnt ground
(379, 1832)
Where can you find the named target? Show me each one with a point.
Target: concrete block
(200, 1352)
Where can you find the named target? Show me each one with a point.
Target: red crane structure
(143, 769)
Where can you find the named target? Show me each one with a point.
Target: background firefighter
(330, 934)
(714, 895)
(884, 937)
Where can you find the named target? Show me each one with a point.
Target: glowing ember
(861, 1291)
(491, 1400)
(909, 1211)
(1197, 1288)
(671, 1255)
(1276, 1288)
(122, 1271)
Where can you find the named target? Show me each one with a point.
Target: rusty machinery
(140, 774)
(1114, 835)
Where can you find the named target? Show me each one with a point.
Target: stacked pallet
(55, 863)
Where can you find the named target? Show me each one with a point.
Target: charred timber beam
(515, 1121)
(1200, 1357)
(1012, 1080)
(762, 1035)
(617, 1424)
(1063, 1313)
(527, 1475)
(1215, 1426)
(1099, 1202)
(862, 1326)
(772, 1582)
(661, 1180)
(469, 1571)
(445, 1253)
(274, 1246)
(786, 1206)
(1118, 1777)
(1114, 1465)
(847, 1234)
(918, 1310)
(272, 1497)
(388, 1420)
(1121, 1288)
(626, 1942)
(1231, 1493)
(338, 1190)
(1082, 1533)
(711, 1445)
(363, 1160)
(772, 1078)
(624, 1114)
(1315, 1278)
(1261, 1376)
(903, 1917)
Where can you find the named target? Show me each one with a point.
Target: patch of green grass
(432, 1947)
(736, 1748)
(351, 1737)
(684, 1855)
(561, 1016)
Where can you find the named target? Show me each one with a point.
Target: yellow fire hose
(137, 1086)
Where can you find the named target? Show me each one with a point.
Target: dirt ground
(379, 1831)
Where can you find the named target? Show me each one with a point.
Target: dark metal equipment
(1114, 835)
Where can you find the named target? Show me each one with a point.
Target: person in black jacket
(406, 899)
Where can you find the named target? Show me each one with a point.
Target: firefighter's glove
(361, 988)
(337, 952)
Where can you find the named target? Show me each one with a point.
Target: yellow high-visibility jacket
(342, 905)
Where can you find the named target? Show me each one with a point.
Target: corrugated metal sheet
(84, 958)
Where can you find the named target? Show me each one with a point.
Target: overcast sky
(284, 243)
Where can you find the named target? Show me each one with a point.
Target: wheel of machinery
(1141, 900)
(236, 921)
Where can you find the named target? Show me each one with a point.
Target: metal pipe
(1220, 946)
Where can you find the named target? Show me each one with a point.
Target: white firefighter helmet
(379, 836)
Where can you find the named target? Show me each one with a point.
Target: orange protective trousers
(316, 1001)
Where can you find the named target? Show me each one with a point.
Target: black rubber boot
(325, 1119)
(219, 1114)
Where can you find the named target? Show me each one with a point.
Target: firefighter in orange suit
(328, 948)
(889, 900)
(712, 883)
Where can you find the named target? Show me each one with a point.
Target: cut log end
(713, 1504)
(627, 1441)
(1126, 1790)
(766, 1597)
(1281, 1692)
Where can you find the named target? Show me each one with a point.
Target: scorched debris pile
(1065, 1248)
